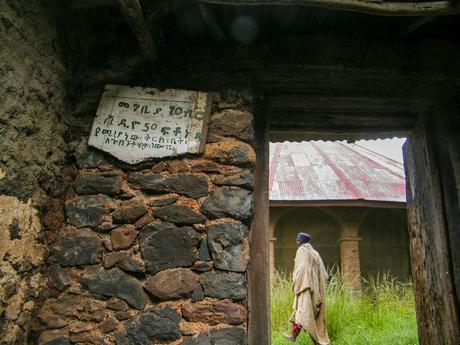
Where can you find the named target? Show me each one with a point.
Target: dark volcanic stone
(116, 283)
(229, 335)
(149, 183)
(206, 166)
(109, 324)
(163, 246)
(199, 339)
(86, 210)
(197, 295)
(173, 284)
(62, 278)
(229, 246)
(224, 285)
(202, 266)
(132, 263)
(244, 179)
(178, 166)
(144, 220)
(232, 123)
(179, 214)
(123, 236)
(203, 251)
(88, 158)
(219, 336)
(111, 259)
(233, 152)
(214, 312)
(152, 326)
(91, 337)
(121, 339)
(228, 202)
(159, 167)
(53, 337)
(163, 200)
(62, 310)
(77, 247)
(129, 211)
(193, 186)
(122, 315)
(117, 304)
(91, 183)
(57, 341)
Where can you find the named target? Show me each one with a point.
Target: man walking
(309, 287)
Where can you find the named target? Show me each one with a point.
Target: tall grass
(383, 314)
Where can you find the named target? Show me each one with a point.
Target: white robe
(309, 287)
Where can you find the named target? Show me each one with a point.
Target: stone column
(272, 257)
(349, 247)
(349, 255)
(271, 229)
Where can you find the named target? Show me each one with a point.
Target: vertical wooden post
(437, 310)
(448, 149)
(259, 268)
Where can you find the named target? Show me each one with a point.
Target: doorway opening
(350, 198)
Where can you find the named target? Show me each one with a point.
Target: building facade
(348, 198)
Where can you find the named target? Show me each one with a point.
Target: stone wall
(32, 151)
(155, 253)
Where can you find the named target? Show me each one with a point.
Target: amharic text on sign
(134, 123)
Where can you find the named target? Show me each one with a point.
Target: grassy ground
(383, 315)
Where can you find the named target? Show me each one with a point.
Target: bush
(383, 314)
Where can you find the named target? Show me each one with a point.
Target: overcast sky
(391, 148)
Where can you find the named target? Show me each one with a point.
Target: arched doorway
(384, 245)
(323, 229)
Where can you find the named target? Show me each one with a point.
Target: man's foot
(289, 337)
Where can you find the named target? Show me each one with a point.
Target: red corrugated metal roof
(319, 170)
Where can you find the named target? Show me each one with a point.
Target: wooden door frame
(258, 273)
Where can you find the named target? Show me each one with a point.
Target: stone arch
(323, 228)
(384, 245)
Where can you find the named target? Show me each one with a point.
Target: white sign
(135, 123)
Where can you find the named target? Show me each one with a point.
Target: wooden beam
(259, 266)
(132, 12)
(349, 104)
(434, 289)
(415, 25)
(370, 7)
(212, 23)
(447, 140)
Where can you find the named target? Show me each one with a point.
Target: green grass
(384, 314)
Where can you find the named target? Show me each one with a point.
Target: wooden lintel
(325, 65)
(211, 22)
(378, 7)
(132, 12)
(349, 104)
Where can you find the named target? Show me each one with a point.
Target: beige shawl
(309, 287)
